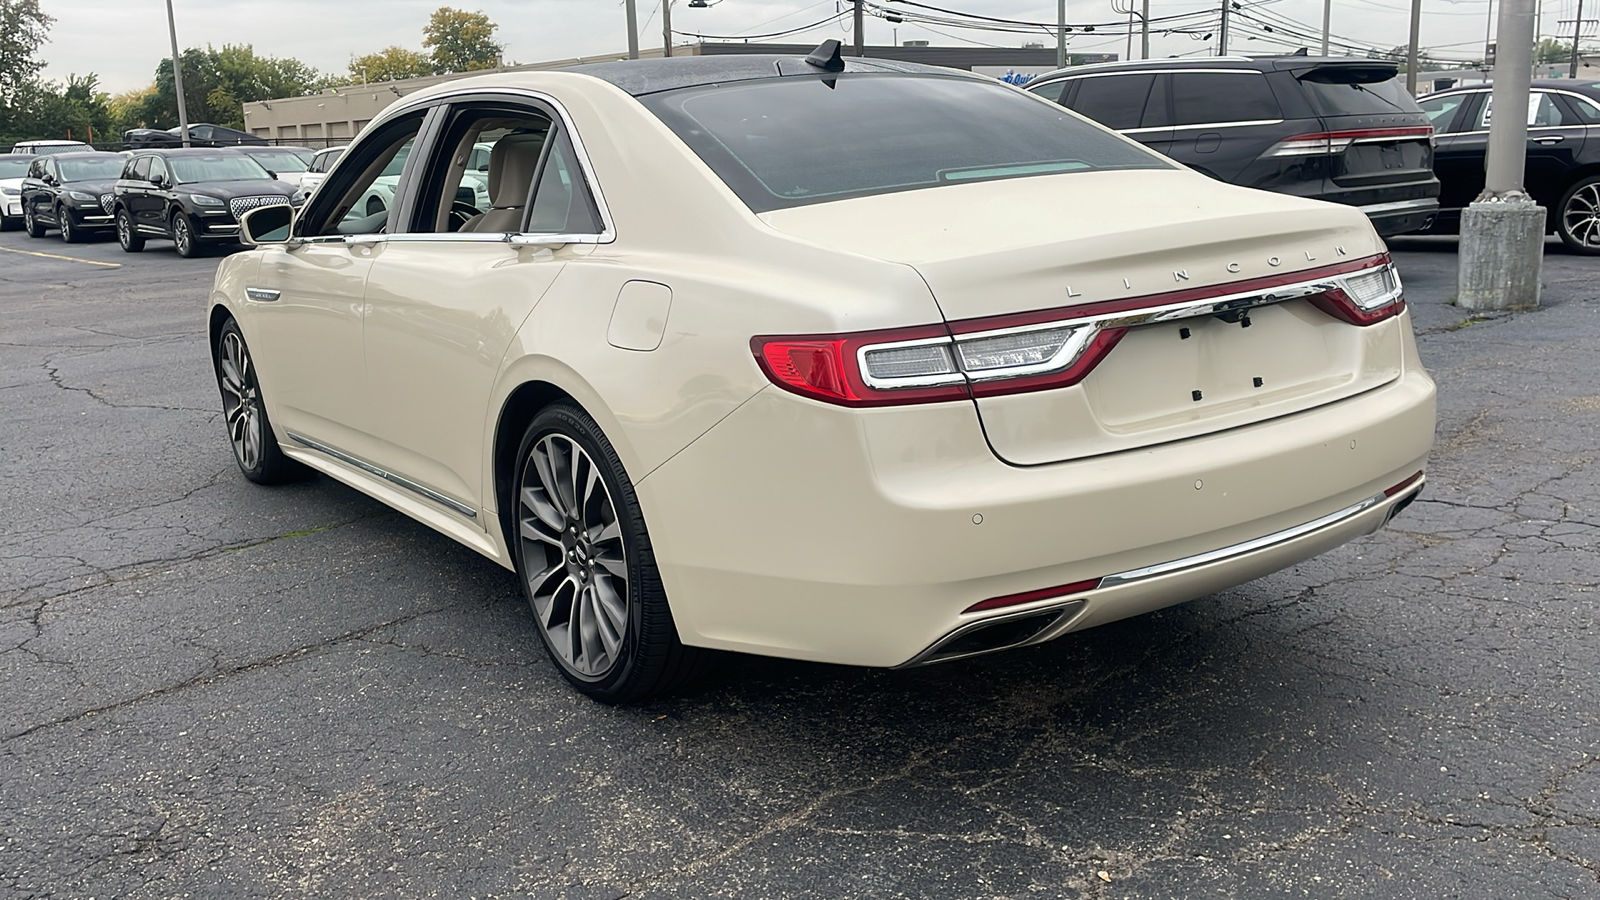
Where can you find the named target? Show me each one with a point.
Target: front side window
(1588, 111)
(1542, 111)
(158, 169)
(1218, 98)
(798, 140)
(358, 199)
(482, 176)
(1115, 101)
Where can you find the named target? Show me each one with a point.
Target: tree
(1551, 50)
(24, 28)
(461, 41)
(390, 64)
(217, 82)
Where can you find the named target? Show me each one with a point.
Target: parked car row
(192, 197)
(1345, 130)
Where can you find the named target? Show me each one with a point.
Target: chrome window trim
(428, 493)
(608, 230)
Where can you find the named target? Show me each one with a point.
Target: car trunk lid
(1027, 252)
(1374, 131)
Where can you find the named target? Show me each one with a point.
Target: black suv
(1563, 165)
(190, 197)
(1343, 130)
(70, 191)
(202, 135)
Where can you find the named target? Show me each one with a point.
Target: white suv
(38, 148)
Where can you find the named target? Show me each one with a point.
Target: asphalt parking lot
(218, 690)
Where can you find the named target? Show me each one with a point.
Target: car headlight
(81, 197)
(10, 191)
(204, 200)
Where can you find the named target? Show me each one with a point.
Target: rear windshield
(1356, 91)
(230, 167)
(91, 169)
(15, 166)
(794, 141)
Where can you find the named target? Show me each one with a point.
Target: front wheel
(1578, 221)
(183, 236)
(255, 448)
(69, 231)
(131, 241)
(587, 567)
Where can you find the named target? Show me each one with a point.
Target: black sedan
(193, 197)
(1563, 168)
(70, 192)
(202, 135)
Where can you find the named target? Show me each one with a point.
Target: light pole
(1502, 232)
(1222, 33)
(1577, 32)
(666, 27)
(1327, 20)
(633, 30)
(1061, 34)
(859, 24)
(1412, 53)
(177, 76)
(1144, 31)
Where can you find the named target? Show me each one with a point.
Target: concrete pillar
(1502, 232)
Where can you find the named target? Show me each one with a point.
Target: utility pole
(633, 30)
(1144, 31)
(1061, 34)
(1327, 20)
(1412, 53)
(1222, 33)
(1577, 32)
(1502, 232)
(666, 27)
(860, 19)
(177, 76)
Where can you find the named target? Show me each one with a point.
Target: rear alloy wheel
(183, 236)
(1578, 222)
(69, 231)
(30, 222)
(255, 448)
(587, 567)
(131, 241)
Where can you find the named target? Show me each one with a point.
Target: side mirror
(158, 181)
(267, 225)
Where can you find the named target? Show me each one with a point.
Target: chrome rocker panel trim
(455, 506)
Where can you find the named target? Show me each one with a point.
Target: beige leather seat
(512, 164)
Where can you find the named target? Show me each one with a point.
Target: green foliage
(461, 41)
(1551, 50)
(24, 28)
(390, 64)
(217, 82)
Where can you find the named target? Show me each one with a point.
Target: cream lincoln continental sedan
(852, 361)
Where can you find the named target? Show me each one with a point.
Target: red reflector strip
(1077, 587)
(1401, 487)
(1360, 134)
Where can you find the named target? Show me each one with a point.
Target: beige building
(338, 114)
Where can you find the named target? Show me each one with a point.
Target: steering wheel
(460, 213)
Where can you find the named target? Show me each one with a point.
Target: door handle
(1549, 139)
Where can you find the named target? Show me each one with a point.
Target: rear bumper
(1401, 217)
(862, 536)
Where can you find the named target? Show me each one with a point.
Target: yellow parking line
(92, 262)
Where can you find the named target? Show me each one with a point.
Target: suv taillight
(1329, 143)
(1046, 349)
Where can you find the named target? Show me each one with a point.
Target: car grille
(107, 202)
(241, 205)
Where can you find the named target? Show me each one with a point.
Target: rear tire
(585, 562)
(1578, 217)
(244, 412)
(31, 222)
(131, 241)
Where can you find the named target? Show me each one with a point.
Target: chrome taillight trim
(1088, 327)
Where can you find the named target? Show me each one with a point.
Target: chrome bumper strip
(1264, 542)
(1429, 204)
(453, 505)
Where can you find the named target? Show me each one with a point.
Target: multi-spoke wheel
(131, 240)
(586, 564)
(254, 447)
(1578, 221)
(69, 231)
(30, 221)
(183, 236)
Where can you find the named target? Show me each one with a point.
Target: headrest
(511, 167)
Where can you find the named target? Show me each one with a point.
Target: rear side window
(1357, 91)
(1115, 101)
(1588, 112)
(1051, 91)
(794, 141)
(1443, 111)
(1205, 98)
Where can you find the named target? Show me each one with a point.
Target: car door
(443, 305)
(1221, 119)
(1554, 141)
(1458, 151)
(304, 310)
(150, 209)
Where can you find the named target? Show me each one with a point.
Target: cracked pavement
(215, 689)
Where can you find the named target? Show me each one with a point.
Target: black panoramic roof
(649, 76)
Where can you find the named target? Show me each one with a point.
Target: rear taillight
(1043, 349)
(1329, 143)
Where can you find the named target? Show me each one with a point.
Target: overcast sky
(124, 40)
